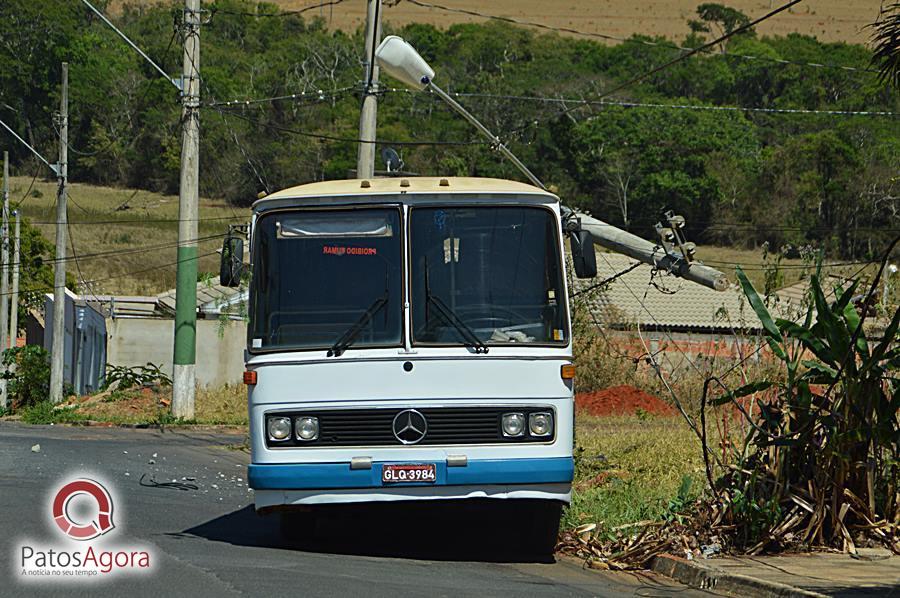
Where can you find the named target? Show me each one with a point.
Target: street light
(399, 59)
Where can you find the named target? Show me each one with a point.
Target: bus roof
(396, 185)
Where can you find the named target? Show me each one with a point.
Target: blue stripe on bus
(320, 476)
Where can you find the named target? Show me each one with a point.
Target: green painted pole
(184, 379)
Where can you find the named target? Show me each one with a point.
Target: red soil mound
(621, 400)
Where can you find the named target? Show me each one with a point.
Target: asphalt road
(210, 541)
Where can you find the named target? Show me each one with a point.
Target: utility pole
(14, 303)
(365, 162)
(4, 258)
(4, 302)
(185, 351)
(58, 349)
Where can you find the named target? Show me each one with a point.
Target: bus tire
(544, 532)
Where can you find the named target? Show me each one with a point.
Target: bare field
(828, 20)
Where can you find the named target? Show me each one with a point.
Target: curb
(706, 576)
(92, 423)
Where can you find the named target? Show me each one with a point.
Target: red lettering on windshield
(342, 250)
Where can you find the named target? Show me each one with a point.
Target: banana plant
(823, 454)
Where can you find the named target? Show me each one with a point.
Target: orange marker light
(250, 377)
(566, 372)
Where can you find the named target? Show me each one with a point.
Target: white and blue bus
(409, 340)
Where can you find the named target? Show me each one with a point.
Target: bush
(821, 458)
(45, 412)
(29, 383)
(124, 378)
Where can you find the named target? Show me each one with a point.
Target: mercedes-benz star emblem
(410, 426)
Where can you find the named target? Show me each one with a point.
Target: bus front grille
(445, 426)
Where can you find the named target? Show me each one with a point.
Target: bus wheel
(544, 529)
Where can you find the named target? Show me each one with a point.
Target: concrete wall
(220, 351)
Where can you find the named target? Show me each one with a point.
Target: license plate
(398, 474)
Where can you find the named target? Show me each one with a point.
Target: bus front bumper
(321, 483)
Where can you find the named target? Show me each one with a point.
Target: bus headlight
(540, 424)
(279, 428)
(513, 424)
(306, 428)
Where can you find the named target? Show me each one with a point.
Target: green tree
(719, 20)
(663, 156)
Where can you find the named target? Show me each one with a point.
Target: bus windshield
(327, 279)
(486, 276)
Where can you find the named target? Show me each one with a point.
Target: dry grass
(118, 271)
(223, 405)
(726, 259)
(226, 405)
(829, 20)
(752, 261)
(630, 469)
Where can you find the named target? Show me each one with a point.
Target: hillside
(828, 20)
(129, 250)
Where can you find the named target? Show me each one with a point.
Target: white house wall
(220, 350)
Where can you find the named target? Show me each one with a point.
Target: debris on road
(36, 448)
(173, 485)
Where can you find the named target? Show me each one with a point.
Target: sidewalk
(875, 573)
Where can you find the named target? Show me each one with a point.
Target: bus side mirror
(231, 267)
(583, 257)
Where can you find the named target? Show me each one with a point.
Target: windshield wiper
(451, 318)
(348, 338)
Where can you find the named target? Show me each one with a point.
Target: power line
(607, 280)
(766, 228)
(27, 191)
(761, 266)
(134, 46)
(674, 61)
(349, 139)
(244, 153)
(140, 101)
(764, 345)
(314, 97)
(75, 258)
(748, 109)
(123, 275)
(133, 250)
(52, 167)
(628, 104)
(137, 221)
(699, 49)
(634, 40)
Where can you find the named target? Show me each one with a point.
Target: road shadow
(471, 530)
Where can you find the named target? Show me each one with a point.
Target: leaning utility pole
(185, 351)
(365, 161)
(14, 303)
(58, 349)
(621, 241)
